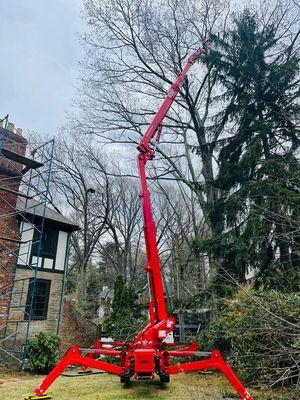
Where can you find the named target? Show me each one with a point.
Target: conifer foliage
(126, 312)
(258, 178)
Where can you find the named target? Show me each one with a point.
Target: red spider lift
(149, 354)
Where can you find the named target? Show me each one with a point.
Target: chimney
(15, 142)
(10, 179)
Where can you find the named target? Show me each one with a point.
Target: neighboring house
(31, 287)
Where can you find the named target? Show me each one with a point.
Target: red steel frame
(149, 354)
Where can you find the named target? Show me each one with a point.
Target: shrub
(259, 333)
(42, 352)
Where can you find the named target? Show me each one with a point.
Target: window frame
(44, 315)
(45, 254)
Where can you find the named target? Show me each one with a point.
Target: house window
(40, 299)
(48, 245)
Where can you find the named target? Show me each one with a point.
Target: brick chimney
(10, 179)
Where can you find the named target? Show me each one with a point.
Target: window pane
(49, 242)
(40, 299)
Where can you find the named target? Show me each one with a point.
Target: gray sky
(39, 60)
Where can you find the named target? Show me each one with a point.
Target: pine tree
(126, 315)
(258, 178)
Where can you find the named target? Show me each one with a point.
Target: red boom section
(160, 323)
(153, 128)
(148, 354)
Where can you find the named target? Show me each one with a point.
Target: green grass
(107, 387)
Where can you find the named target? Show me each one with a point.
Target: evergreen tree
(124, 298)
(258, 179)
(91, 301)
(124, 321)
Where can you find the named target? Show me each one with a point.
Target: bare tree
(134, 51)
(83, 196)
(124, 229)
(180, 222)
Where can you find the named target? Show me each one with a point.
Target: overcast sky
(39, 60)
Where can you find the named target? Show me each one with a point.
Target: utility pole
(177, 265)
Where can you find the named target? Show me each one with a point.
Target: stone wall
(76, 329)
(19, 297)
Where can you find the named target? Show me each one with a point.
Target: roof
(33, 207)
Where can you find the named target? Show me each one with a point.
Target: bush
(42, 352)
(259, 333)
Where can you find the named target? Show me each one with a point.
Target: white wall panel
(25, 248)
(34, 260)
(61, 250)
(48, 263)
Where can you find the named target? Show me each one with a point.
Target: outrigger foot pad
(37, 397)
(85, 372)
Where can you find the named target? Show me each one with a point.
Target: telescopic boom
(158, 310)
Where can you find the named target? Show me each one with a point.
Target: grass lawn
(107, 387)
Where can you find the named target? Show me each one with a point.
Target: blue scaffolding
(34, 176)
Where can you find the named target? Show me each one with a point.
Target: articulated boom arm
(157, 121)
(158, 312)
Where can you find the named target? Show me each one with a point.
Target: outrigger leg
(74, 357)
(217, 362)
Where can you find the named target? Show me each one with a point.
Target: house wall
(57, 264)
(19, 297)
(55, 274)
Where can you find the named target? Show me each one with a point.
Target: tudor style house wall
(52, 263)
